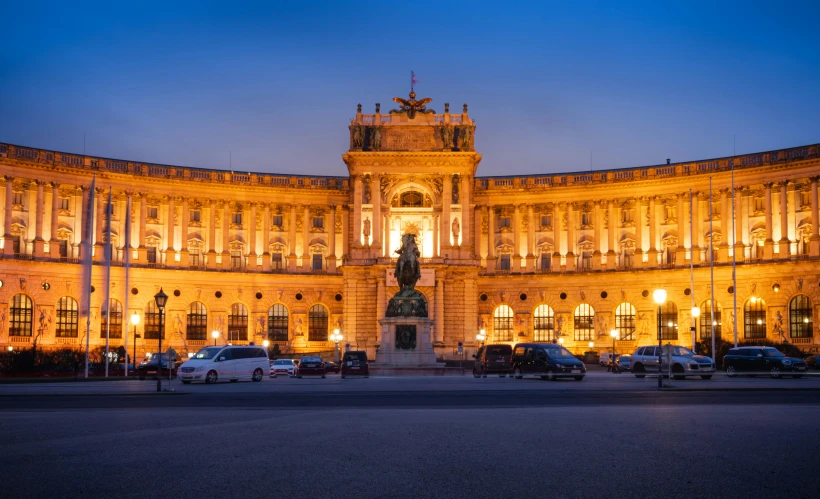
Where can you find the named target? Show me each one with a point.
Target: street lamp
(336, 337)
(160, 299)
(614, 334)
(591, 344)
(659, 295)
(481, 336)
(692, 329)
(11, 348)
(214, 335)
(560, 341)
(135, 320)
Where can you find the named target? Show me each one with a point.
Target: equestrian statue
(407, 302)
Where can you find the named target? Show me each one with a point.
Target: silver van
(230, 363)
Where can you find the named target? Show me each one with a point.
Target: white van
(230, 363)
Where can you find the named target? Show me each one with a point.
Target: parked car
(492, 359)
(546, 360)
(284, 367)
(231, 363)
(605, 358)
(332, 367)
(354, 363)
(812, 361)
(762, 360)
(623, 363)
(148, 367)
(684, 362)
(310, 366)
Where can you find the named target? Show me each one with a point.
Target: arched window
(411, 199)
(754, 318)
(317, 323)
(669, 321)
(22, 316)
(151, 328)
(625, 321)
(800, 319)
(544, 323)
(584, 322)
(115, 326)
(503, 323)
(278, 323)
(706, 320)
(238, 323)
(196, 322)
(67, 317)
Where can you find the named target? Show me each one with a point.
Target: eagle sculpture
(411, 106)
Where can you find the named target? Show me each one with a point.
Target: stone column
(555, 262)
(725, 225)
(212, 235)
(597, 222)
(477, 213)
(435, 227)
(8, 242)
(516, 261)
(444, 221)
(184, 255)
(345, 231)
(252, 261)
(170, 252)
(376, 202)
(142, 250)
(465, 189)
(439, 336)
(653, 233)
(738, 225)
(226, 234)
(86, 222)
(768, 244)
(611, 256)
(785, 243)
(331, 240)
(814, 240)
(571, 241)
(292, 239)
(54, 242)
(266, 238)
(126, 234)
(380, 306)
(39, 242)
(639, 225)
(357, 212)
(694, 251)
(680, 257)
(385, 251)
(101, 200)
(530, 238)
(490, 238)
(306, 264)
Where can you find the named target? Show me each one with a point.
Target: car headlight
(560, 366)
(199, 369)
(787, 362)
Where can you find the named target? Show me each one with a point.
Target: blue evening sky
(553, 87)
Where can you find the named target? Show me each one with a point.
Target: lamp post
(266, 344)
(659, 295)
(591, 345)
(692, 328)
(481, 336)
(135, 320)
(214, 335)
(336, 337)
(160, 299)
(561, 341)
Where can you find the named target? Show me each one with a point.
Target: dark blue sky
(549, 84)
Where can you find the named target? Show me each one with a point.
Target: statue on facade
(366, 192)
(456, 228)
(366, 229)
(407, 302)
(357, 132)
(446, 136)
(454, 197)
(412, 106)
(778, 326)
(464, 136)
(376, 138)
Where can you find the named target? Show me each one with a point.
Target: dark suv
(355, 363)
(549, 361)
(762, 360)
(492, 359)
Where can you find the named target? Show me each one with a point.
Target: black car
(492, 359)
(354, 363)
(549, 361)
(332, 367)
(813, 361)
(762, 360)
(149, 366)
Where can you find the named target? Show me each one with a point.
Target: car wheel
(186, 382)
(579, 378)
(551, 375)
(705, 376)
(775, 372)
(234, 380)
(142, 378)
(639, 371)
(475, 374)
(323, 376)
(730, 371)
(343, 376)
(299, 376)
(677, 371)
(502, 375)
(517, 373)
(257, 375)
(211, 377)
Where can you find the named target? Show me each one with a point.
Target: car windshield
(559, 353)
(207, 353)
(282, 362)
(682, 352)
(311, 359)
(499, 350)
(351, 356)
(771, 352)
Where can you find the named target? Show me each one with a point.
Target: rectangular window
(236, 219)
(63, 248)
(546, 220)
(318, 222)
(317, 262)
(505, 262)
(545, 261)
(805, 201)
(64, 203)
(504, 222)
(277, 220)
(15, 244)
(236, 260)
(586, 218)
(152, 255)
(194, 215)
(627, 216)
(194, 257)
(17, 198)
(152, 212)
(276, 261)
(758, 205)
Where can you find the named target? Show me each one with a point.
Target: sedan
(284, 367)
(310, 366)
(332, 367)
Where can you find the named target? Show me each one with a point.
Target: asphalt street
(608, 435)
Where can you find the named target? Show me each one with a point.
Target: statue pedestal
(406, 342)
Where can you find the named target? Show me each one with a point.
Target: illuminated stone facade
(290, 258)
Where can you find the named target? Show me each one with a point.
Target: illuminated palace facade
(290, 258)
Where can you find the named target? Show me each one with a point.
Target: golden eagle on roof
(412, 106)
